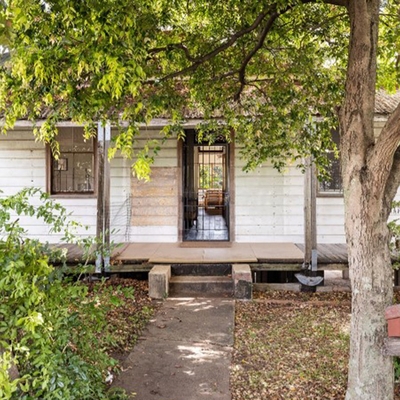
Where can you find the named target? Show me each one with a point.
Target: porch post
(100, 196)
(310, 212)
(103, 198)
(106, 201)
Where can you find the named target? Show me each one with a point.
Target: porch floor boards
(277, 256)
(330, 253)
(261, 256)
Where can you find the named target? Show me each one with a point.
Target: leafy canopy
(269, 68)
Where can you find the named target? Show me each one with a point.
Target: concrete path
(184, 354)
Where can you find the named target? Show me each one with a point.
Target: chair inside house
(214, 200)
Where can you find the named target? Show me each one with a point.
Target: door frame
(231, 178)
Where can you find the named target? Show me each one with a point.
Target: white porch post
(103, 198)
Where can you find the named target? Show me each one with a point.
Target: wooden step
(201, 286)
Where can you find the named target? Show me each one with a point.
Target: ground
(287, 345)
(291, 346)
(129, 308)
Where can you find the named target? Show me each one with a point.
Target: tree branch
(173, 46)
(273, 15)
(386, 145)
(196, 62)
(250, 55)
(343, 3)
(263, 35)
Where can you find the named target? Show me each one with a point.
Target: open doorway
(205, 190)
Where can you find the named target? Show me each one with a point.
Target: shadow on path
(184, 354)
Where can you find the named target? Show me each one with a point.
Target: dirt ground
(292, 346)
(287, 345)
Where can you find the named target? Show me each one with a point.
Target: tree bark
(12, 371)
(367, 207)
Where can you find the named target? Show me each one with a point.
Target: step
(202, 269)
(201, 286)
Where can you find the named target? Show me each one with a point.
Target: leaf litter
(288, 345)
(291, 346)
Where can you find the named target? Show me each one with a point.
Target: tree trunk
(371, 275)
(366, 170)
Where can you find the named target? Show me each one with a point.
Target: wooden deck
(131, 257)
(330, 253)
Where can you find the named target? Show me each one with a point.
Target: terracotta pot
(392, 315)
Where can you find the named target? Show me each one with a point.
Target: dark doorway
(205, 189)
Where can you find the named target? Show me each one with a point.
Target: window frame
(49, 172)
(320, 191)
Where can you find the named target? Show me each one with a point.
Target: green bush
(41, 328)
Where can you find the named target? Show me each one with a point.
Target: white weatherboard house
(197, 192)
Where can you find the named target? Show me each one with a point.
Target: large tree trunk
(370, 372)
(369, 180)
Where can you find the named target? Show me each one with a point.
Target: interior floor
(209, 225)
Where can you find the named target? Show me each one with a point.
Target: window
(332, 186)
(74, 171)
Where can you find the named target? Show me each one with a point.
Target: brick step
(201, 286)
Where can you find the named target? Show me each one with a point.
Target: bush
(40, 313)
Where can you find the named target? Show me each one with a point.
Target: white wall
(330, 210)
(270, 207)
(269, 204)
(330, 220)
(23, 164)
(120, 199)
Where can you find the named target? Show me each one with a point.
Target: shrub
(40, 320)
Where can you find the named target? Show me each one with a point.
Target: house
(198, 194)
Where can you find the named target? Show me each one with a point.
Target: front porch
(141, 257)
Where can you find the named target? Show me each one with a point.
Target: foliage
(396, 364)
(268, 68)
(41, 328)
(210, 177)
(129, 62)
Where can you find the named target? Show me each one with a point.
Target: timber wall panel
(120, 198)
(140, 211)
(330, 220)
(330, 210)
(163, 185)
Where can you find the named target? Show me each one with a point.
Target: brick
(159, 277)
(243, 283)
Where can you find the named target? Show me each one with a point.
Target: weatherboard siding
(120, 201)
(23, 164)
(330, 209)
(268, 204)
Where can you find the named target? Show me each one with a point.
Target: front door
(205, 190)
